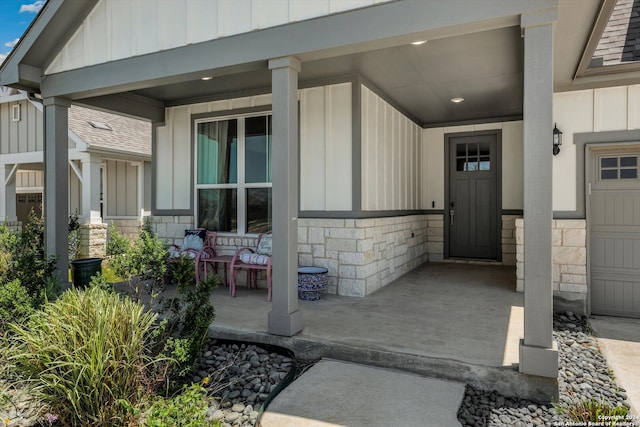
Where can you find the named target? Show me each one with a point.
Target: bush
(190, 314)
(117, 244)
(86, 356)
(15, 304)
(25, 269)
(74, 236)
(187, 409)
(144, 263)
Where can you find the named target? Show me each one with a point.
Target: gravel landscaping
(241, 377)
(583, 375)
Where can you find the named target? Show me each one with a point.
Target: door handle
(452, 214)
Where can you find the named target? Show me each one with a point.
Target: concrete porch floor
(455, 321)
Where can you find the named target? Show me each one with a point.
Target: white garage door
(614, 219)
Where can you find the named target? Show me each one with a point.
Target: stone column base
(285, 324)
(539, 361)
(93, 240)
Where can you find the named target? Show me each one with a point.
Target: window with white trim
(233, 174)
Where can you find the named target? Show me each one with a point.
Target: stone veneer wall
(130, 228)
(92, 240)
(435, 239)
(569, 263)
(363, 255)
(170, 229)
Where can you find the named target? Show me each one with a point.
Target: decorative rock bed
(241, 378)
(583, 375)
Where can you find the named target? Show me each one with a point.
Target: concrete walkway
(333, 393)
(619, 341)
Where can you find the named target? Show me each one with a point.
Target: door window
(473, 157)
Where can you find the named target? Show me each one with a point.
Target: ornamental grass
(86, 357)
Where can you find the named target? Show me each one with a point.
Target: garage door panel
(615, 297)
(614, 224)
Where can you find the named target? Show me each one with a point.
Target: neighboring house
(109, 161)
(371, 136)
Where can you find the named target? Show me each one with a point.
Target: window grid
(618, 167)
(241, 186)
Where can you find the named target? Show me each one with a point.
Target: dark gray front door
(471, 216)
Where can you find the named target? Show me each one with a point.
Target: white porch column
(538, 351)
(91, 190)
(56, 185)
(8, 193)
(285, 318)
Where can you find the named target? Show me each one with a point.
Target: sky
(15, 17)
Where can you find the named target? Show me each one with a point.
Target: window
(233, 174)
(618, 167)
(473, 157)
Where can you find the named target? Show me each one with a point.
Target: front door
(471, 214)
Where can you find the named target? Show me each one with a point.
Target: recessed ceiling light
(457, 100)
(207, 78)
(418, 42)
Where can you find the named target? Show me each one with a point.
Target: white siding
(21, 136)
(75, 193)
(391, 147)
(29, 180)
(594, 110)
(512, 163)
(325, 148)
(174, 145)
(118, 29)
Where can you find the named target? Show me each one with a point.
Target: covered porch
(456, 321)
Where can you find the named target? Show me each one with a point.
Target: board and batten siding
(25, 135)
(391, 151)
(433, 155)
(325, 148)
(586, 111)
(118, 29)
(29, 181)
(121, 189)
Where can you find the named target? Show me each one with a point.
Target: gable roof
(143, 85)
(125, 135)
(620, 41)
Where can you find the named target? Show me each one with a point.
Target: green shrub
(86, 354)
(190, 314)
(74, 236)
(15, 304)
(144, 263)
(117, 244)
(187, 409)
(26, 275)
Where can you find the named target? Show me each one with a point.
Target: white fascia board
(12, 98)
(30, 157)
(80, 144)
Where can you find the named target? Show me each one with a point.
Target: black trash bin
(83, 269)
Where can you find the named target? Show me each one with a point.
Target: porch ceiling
(483, 67)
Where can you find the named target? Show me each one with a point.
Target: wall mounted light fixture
(557, 140)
